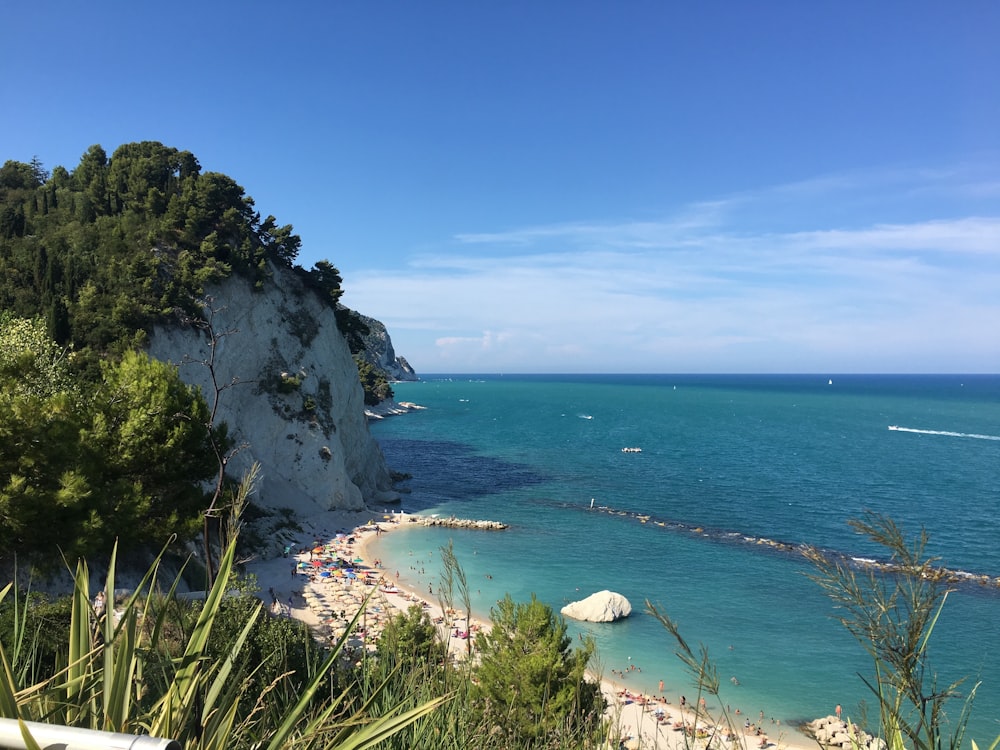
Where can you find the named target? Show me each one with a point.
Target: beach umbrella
(324, 574)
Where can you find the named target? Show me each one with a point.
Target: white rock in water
(604, 606)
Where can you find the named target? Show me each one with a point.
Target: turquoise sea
(725, 460)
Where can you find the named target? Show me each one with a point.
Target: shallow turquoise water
(789, 458)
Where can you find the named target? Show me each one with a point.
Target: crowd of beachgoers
(326, 576)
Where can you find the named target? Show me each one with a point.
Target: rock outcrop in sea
(288, 389)
(604, 606)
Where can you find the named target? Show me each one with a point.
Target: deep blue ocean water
(724, 458)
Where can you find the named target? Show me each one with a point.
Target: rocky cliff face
(290, 394)
(379, 352)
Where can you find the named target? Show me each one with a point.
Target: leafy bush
(529, 682)
(134, 667)
(85, 463)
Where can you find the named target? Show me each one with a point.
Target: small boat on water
(631, 450)
(893, 427)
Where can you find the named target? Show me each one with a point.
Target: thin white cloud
(703, 290)
(628, 234)
(975, 234)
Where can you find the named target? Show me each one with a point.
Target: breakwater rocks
(831, 732)
(458, 523)
(938, 574)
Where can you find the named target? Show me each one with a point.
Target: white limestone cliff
(292, 397)
(380, 353)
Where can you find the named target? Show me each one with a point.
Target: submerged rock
(604, 606)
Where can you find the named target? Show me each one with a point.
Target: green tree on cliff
(83, 464)
(377, 388)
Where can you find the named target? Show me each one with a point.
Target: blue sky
(578, 186)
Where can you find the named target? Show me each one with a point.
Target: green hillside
(97, 441)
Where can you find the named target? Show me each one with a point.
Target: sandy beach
(327, 574)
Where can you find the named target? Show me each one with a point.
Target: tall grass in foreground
(892, 611)
(125, 670)
(707, 730)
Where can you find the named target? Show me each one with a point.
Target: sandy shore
(328, 574)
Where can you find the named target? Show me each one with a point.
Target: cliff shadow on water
(444, 472)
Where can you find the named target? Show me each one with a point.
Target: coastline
(298, 587)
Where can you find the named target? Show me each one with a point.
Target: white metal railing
(58, 737)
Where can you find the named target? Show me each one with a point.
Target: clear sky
(716, 186)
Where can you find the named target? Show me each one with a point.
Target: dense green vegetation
(104, 251)
(97, 442)
(214, 675)
(223, 674)
(84, 462)
(529, 675)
